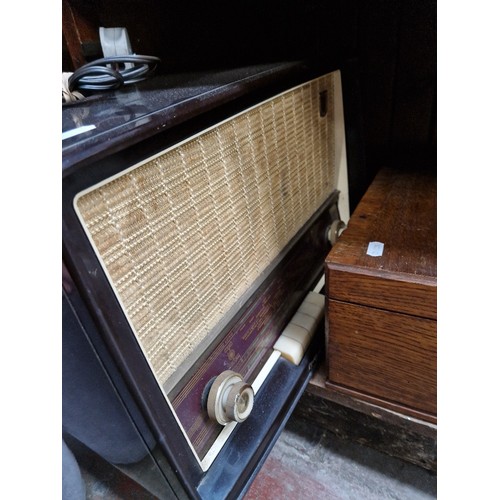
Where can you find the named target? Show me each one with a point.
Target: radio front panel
(209, 248)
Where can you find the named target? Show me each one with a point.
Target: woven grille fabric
(184, 235)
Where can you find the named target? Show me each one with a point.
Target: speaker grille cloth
(184, 235)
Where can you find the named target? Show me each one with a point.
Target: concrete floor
(306, 463)
(310, 463)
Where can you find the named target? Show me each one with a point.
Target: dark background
(389, 47)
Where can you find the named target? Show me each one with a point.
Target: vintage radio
(197, 214)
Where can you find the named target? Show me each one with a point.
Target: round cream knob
(230, 398)
(335, 230)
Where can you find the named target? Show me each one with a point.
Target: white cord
(67, 95)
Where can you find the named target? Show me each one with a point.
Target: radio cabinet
(196, 214)
(381, 311)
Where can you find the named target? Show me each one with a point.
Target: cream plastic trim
(341, 177)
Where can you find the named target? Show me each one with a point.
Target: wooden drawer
(389, 357)
(382, 308)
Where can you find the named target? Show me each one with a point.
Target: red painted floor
(276, 480)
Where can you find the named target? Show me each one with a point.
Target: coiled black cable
(110, 73)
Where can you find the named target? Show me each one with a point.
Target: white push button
(303, 320)
(290, 349)
(297, 335)
(315, 298)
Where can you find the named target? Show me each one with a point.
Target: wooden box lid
(399, 210)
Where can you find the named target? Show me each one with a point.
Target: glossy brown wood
(382, 311)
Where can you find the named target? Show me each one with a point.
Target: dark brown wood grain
(382, 311)
(320, 387)
(347, 422)
(79, 26)
(390, 292)
(400, 211)
(388, 356)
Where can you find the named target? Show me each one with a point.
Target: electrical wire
(111, 73)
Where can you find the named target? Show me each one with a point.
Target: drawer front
(389, 357)
(390, 292)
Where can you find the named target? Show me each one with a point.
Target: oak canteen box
(381, 286)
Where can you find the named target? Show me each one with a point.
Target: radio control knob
(230, 398)
(335, 230)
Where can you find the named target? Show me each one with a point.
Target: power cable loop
(107, 73)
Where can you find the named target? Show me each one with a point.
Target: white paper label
(375, 249)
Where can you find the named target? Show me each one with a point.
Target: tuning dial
(335, 230)
(230, 398)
